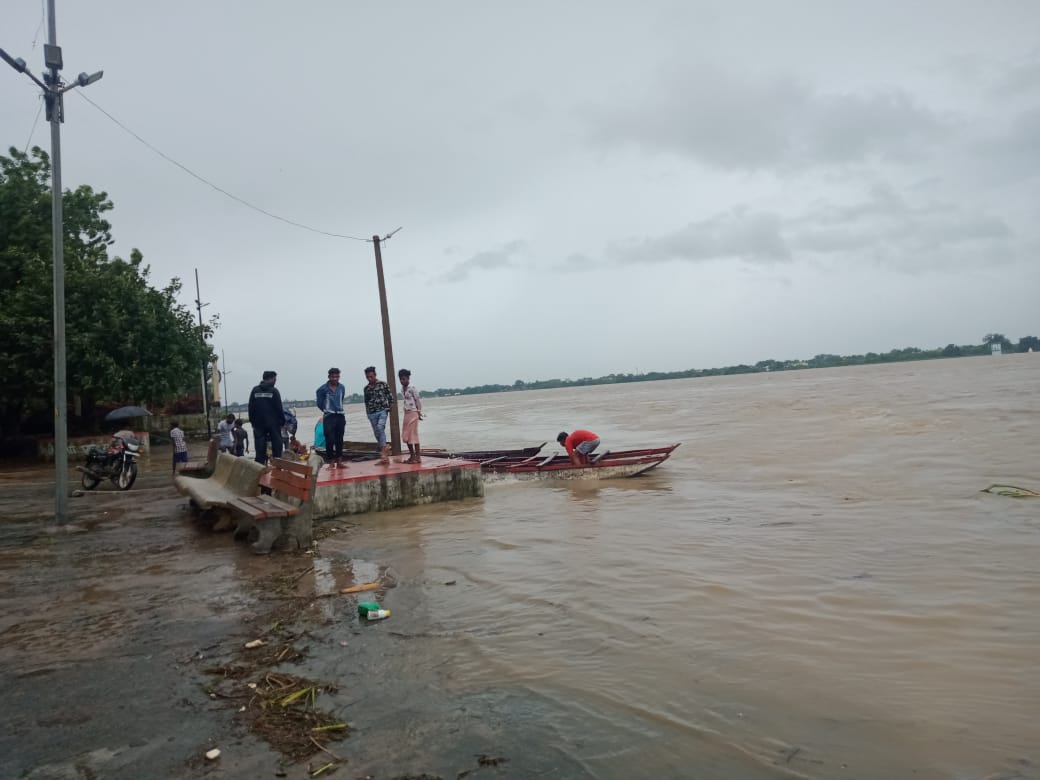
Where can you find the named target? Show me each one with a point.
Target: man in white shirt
(225, 429)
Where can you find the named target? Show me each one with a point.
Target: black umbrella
(126, 412)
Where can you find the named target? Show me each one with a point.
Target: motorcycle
(118, 463)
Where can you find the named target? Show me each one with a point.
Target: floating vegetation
(1011, 491)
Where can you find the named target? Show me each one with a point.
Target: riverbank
(123, 644)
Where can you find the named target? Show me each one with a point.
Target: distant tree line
(1024, 344)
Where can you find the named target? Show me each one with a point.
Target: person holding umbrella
(126, 413)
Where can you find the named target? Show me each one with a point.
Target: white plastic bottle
(377, 614)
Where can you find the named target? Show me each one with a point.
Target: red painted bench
(285, 510)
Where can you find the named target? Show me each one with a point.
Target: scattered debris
(280, 708)
(1011, 491)
(360, 588)
(450, 582)
(213, 754)
(482, 760)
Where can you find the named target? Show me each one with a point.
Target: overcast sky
(584, 187)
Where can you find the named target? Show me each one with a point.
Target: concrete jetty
(369, 486)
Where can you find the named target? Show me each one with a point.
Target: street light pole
(224, 375)
(53, 89)
(202, 335)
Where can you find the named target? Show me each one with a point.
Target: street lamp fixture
(15, 62)
(83, 79)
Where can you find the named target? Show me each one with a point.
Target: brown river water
(812, 586)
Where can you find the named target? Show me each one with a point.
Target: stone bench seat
(232, 478)
(202, 468)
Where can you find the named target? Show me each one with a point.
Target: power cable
(33, 131)
(221, 190)
(43, 16)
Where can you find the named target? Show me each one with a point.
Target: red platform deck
(361, 471)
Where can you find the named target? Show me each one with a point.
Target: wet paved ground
(103, 627)
(109, 624)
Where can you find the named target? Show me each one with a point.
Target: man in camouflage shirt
(377, 406)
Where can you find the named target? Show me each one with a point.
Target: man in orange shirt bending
(579, 444)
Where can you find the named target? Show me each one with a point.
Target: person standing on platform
(330, 397)
(266, 417)
(412, 414)
(377, 406)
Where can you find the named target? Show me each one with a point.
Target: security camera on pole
(53, 91)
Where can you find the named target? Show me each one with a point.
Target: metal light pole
(202, 335)
(53, 89)
(224, 375)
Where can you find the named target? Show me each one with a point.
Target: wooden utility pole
(388, 350)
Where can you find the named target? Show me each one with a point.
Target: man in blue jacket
(330, 397)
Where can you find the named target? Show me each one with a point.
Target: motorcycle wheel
(89, 481)
(126, 477)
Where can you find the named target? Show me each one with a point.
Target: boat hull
(609, 465)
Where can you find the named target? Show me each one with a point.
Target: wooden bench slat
(292, 465)
(281, 482)
(287, 482)
(262, 507)
(281, 508)
(299, 481)
(247, 507)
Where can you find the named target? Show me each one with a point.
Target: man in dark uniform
(266, 417)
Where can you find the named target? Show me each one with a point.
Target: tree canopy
(126, 342)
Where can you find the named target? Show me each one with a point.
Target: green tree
(126, 342)
(1027, 343)
(998, 338)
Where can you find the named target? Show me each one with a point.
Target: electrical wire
(221, 190)
(33, 131)
(43, 16)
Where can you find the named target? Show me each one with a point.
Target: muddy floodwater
(812, 586)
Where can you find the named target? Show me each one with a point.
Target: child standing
(241, 438)
(180, 447)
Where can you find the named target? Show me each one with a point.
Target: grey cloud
(1022, 79)
(842, 128)
(578, 262)
(887, 229)
(739, 234)
(883, 228)
(491, 259)
(1011, 153)
(735, 123)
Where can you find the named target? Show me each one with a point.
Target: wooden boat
(604, 465)
(483, 455)
(359, 451)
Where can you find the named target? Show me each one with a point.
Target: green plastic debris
(1011, 491)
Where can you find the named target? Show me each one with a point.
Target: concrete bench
(283, 516)
(232, 478)
(202, 468)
